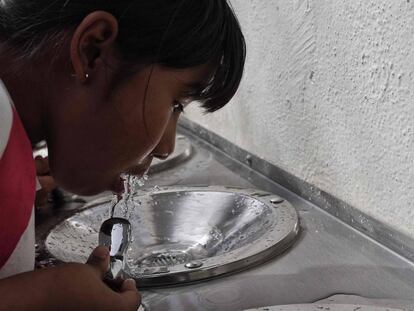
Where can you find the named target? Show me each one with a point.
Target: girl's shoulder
(6, 117)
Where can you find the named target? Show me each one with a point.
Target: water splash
(127, 201)
(115, 200)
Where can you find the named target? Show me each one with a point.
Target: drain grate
(164, 259)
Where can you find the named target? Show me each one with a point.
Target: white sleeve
(6, 117)
(23, 257)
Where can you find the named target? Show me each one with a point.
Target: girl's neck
(24, 84)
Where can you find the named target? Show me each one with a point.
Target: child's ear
(93, 44)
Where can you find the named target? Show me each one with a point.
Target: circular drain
(186, 234)
(168, 258)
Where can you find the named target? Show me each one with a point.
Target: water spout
(115, 233)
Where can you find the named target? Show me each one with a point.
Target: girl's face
(94, 138)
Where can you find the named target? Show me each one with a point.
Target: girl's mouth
(139, 171)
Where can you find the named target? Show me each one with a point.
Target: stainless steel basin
(186, 234)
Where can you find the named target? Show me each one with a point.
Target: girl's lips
(139, 171)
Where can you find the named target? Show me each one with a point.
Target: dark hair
(171, 33)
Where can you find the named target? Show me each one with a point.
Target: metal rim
(321, 307)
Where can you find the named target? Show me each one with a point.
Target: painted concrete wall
(328, 96)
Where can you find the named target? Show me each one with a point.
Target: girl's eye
(178, 107)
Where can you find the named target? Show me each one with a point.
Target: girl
(103, 82)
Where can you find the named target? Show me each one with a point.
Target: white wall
(328, 96)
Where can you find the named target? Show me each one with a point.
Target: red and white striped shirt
(17, 192)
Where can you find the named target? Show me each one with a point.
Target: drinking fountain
(180, 235)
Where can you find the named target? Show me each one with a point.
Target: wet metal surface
(187, 234)
(326, 307)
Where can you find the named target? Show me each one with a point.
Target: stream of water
(125, 201)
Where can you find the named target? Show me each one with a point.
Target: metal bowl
(186, 234)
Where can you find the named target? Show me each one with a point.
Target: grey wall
(328, 96)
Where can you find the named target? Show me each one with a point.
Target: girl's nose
(165, 147)
(167, 143)
(160, 156)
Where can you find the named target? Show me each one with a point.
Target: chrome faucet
(115, 233)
